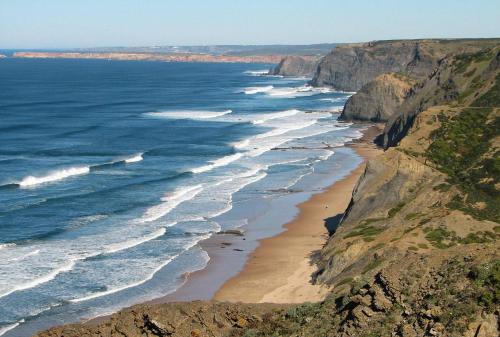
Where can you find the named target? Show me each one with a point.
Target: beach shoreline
(281, 268)
(223, 278)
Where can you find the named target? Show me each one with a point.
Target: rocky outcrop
(350, 67)
(195, 319)
(378, 100)
(296, 66)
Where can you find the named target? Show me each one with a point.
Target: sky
(100, 23)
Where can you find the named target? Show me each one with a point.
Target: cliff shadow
(333, 222)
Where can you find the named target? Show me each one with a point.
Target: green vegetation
(372, 265)
(347, 280)
(487, 280)
(413, 248)
(438, 236)
(411, 216)
(366, 231)
(442, 238)
(460, 148)
(463, 61)
(443, 187)
(393, 211)
(479, 237)
(492, 97)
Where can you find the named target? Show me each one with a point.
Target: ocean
(112, 172)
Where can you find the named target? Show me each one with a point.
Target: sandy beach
(276, 269)
(280, 269)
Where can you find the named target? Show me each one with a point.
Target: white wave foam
(43, 279)
(257, 72)
(218, 163)
(55, 176)
(257, 90)
(33, 253)
(171, 201)
(115, 290)
(116, 247)
(138, 283)
(281, 114)
(241, 144)
(7, 245)
(283, 130)
(189, 114)
(134, 159)
(7, 328)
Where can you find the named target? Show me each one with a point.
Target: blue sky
(95, 23)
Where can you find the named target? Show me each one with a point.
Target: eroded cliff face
(379, 99)
(296, 66)
(349, 67)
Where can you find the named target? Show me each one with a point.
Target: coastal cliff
(379, 99)
(349, 67)
(416, 253)
(296, 66)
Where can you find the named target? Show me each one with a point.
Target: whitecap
(218, 163)
(140, 282)
(134, 159)
(171, 201)
(257, 90)
(116, 247)
(40, 280)
(276, 115)
(55, 176)
(7, 328)
(257, 72)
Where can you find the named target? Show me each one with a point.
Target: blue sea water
(111, 173)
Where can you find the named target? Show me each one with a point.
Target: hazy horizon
(59, 24)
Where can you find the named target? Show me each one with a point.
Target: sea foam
(281, 114)
(170, 202)
(116, 247)
(55, 176)
(257, 90)
(218, 163)
(134, 159)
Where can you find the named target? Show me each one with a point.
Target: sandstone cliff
(379, 99)
(296, 66)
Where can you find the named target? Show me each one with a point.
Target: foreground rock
(296, 66)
